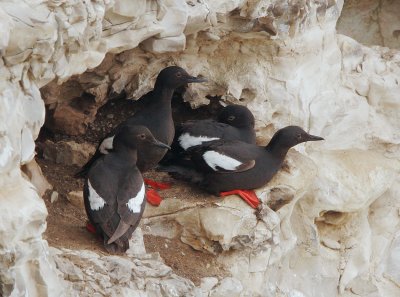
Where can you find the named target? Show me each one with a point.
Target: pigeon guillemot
(157, 117)
(114, 190)
(234, 122)
(222, 167)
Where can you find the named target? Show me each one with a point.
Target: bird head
(174, 77)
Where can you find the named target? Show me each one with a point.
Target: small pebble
(110, 116)
(54, 197)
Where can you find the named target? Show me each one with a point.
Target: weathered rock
(23, 251)
(68, 152)
(54, 196)
(136, 244)
(371, 22)
(227, 287)
(73, 120)
(76, 199)
(207, 283)
(34, 174)
(89, 273)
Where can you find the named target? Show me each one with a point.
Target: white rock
(54, 197)
(207, 283)
(35, 175)
(166, 44)
(136, 244)
(393, 270)
(227, 287)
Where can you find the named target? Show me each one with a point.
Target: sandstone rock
(68, 152)
(73, 120)
(76, 199)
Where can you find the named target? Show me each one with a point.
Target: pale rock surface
(32, 172)
(76, 199)
(91, 274)
(372, 22)
(327, 227)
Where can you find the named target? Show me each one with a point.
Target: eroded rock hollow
(328, 224)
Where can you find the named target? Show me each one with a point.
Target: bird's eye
(142, 136)
(298, 136)
(231, 118)
(178, 74)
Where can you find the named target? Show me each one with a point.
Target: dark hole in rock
(248, 94)
(285, 167)
(277, 198)
(66, 222)
(332, 217)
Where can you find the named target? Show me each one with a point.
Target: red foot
(153, 197)
(90, 228)
(247, 195)
(157, 185)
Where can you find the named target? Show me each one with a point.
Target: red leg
(153, 197)
(247, 195)
(157, 185)
(90, 228)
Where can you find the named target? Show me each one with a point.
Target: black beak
(192, 79)
(161, 144)
(310, 137)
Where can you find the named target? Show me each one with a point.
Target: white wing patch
(106, 145)
(186, 140)
(96, 202)
(135, 203)
(214, 159)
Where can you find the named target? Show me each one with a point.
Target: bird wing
(193, 133)
(130, 203)
(101, 188)
(224, 156)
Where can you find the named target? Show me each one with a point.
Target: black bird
(156, 116)
(234, 122)
(222, 167)
(114, 190)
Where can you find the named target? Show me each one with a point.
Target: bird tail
(121, 229)
(182, 173)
